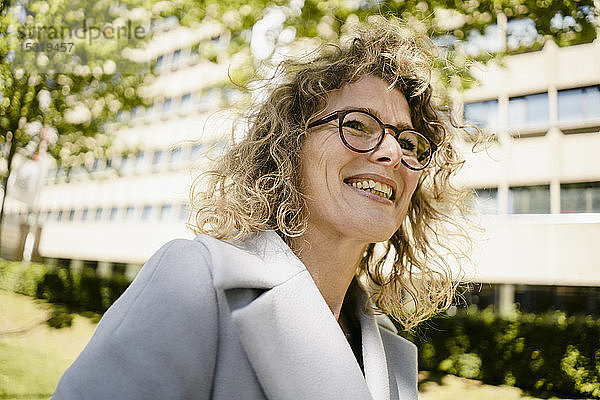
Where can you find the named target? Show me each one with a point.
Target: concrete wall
(552, 249)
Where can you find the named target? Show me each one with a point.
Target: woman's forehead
(371, 94)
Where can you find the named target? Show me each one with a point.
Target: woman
(283, 292)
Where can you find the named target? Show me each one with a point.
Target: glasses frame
(341, 114)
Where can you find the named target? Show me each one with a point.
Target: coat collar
(290, 335)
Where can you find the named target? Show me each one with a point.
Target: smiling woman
(333, 213)
(283, 172)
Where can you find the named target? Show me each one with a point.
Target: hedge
(74, 292)
(545, 354)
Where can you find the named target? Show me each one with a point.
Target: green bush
(60, 318)
(22, 278)
(547, 354)
(81, 292)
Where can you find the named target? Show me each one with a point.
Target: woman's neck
(331, 262)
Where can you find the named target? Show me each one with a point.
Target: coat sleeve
(159, 339)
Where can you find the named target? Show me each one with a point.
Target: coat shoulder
(150, 325)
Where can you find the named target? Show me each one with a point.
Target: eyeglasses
(363, 132)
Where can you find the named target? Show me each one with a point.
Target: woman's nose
(388, 152)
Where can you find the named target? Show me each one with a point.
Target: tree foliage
(64, 75)
(567, 22)
(470, 30)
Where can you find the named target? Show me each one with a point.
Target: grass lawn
(452, 387)
(33, 356)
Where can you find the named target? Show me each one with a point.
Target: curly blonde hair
(255, 185)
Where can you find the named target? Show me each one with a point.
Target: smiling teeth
(377, 188)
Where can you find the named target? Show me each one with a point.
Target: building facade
(538, 179)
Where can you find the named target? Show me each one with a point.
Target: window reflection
(529, 199)
(483, 114)
(147, 212)
(157, 157)
(486, 200)
(579, 104)
(580, 197)
(528, 110)
(166, 211)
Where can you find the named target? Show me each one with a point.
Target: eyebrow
(399, 125)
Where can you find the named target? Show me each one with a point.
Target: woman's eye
(357, 125)
(406, 144)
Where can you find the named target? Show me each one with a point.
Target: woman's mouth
(371, 186)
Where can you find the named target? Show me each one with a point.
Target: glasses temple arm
(324, 120)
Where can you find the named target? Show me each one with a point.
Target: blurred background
(109, 110)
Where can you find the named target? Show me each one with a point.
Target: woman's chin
(372, 235)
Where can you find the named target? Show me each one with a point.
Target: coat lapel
(296, 346)
(374, 359)
(291, 337)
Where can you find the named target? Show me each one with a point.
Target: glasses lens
(361, 131)
(416, 149)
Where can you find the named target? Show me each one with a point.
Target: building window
(98, 214)
(184, 211)
(157, 157)
(579, 104)
(60, 173)
(129, 213)
(167, 105)
(159, 62)
(147, 212)
(59, 215)
(121, 116)
(195, 151)
(137, 112)
(71, 216)
(528, 110)
(75, 171)
(124, 163)
(90, 264)
(572, 300)
(529, 199)
(95, 165)
(175, 155)
(119, 268)
(186, 101)
(151, 111)
(580, 197)
(209, 98)
(113, 213)
(483, 114)
(486, 200)
(166, 211)
(176, 57)
(139, 161)
(84, 214)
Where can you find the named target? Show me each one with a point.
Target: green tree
(519, 26)
(524, 25)
(65, 73)
(459, 18)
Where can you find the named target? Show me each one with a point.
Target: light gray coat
(206, 319)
